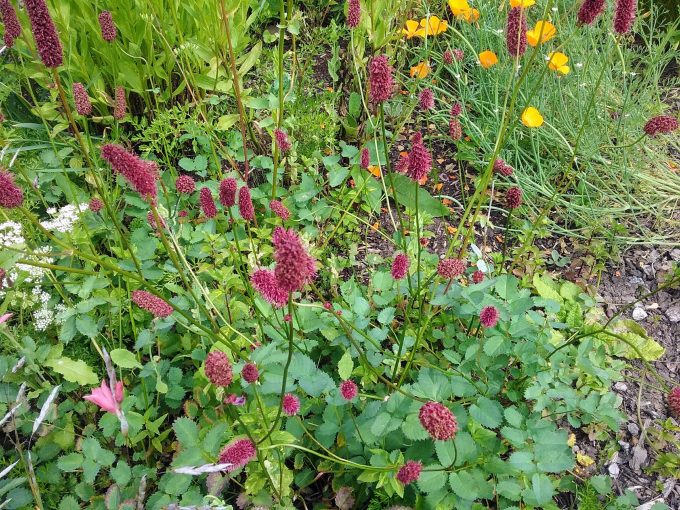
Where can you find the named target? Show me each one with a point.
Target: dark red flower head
(151, 303)
(294, 268)
(141, 174)
(365, 159)
(400, 266)
(44, 33)
(456, 109)
(590, 10)
(228, 192)
(282, 140)
(238, 453)
(624, 15)
(426, 99)
(12, 25)
(402, 164)
(218, 369)
(447, 57)
(488, 317)
(513, 197)
(250, 373)
(674, 402)
(120, 106)
(291, 404)
(349, 389)
(501, 167)
(96, 205)
(108, 27)
(477, 276)
(438, 420)
(245, 204)
(279, 209)
(661, 124)
(185, 184)
(419, 159)
(81, 99)
(409, 472)
(11, 195)
(353, 13)
(516, 32)
(455, 129)
(207, 203)
(380, 79)
(264, 282)
(458, 54)
(450, 268)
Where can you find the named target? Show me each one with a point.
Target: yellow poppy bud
(532, 118)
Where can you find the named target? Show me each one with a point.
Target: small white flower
(578, 65)
(554, 9)
(43, 318)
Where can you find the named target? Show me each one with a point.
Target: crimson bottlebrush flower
(458, 54)
(238, 453)
(107, 26)
(151, 220)
(409, 472)
(120, 106)
(282, 140)
(456, 109)
(44, 33)
(438, 420)
(447, 57)
(402, 164)
(218, 369)
(455, 129)
(348, 389)
(516, 32)
(141, 174)
(81, 99)
(291, 404)
(279, 209)
(513, 197)
(12, 25)
(426, 99)
(287, 318)
(182, 214)
(153, 304)
(661, 124)
(450, 268)
(488, 317)
(245, 204)
(353, 13)
(227, 193)
(590, 10)
(419, 159)
(477, 276)
(185, 184)
(11, 195)
(264, 282)
(380, 79)
(96, 205)
(207, 203)
(250, 373)
(674, 402)
(294, 266)
(624, 15)
(365, 159)
(400, 266)
(501, 167)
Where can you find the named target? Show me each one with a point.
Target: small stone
(673, 313)
(633, 429)
(639, 314)
(638, 459)
(613, 470)
(675, 254)
(620, 386)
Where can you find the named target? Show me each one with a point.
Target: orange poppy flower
(548, 32)
(487, 59)
(375, 170)
(434, 25)
(421, 70)
(412, 29)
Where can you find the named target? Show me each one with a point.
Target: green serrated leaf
(186, 431)
(70, 462)
(73, 371)
(345, 366)
(487, 412)
(125, 359)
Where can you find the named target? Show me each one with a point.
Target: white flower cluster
(63, 220)
(10, 234)
(45, 316)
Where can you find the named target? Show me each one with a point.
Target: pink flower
(234, 400)
(141, 174)
(477, 276)
(282, 140)
(348, 389)
(294, 268)
(227, 193)
(12, 25)
(674, 402)
(44, 33)
(450, 268)
(353, 13)
(456, 109)
(120, 106)
(81, 99)
(426, 99)
(207, 203)
(250, 373)
(590, 10)
(279, 209)
(153, 304)
(488, 317)
(151, 220)
(380, 79)
(104, 398)
(5, 317)
(365, 159)
(455, 129)
(516, 32)
(438, 420)
(458, 54)
(419, 159)
(400, 266)
(447, 57)
(409, 472)
(185, 184)
(11, 195)
(264, 281)
(402, 164)
(245, 204)
(238, 453)
(107, 26)
(661, 124)
(291, 404)
(218, 369)
(502, 168)
(624, 15)
(513, 197)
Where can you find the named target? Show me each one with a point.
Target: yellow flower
(487, 59)
(558, 62)
(548, 32)
(434, 25)
(584, 460)
(412, 29)
(459, 7)
(522, 3)
(421, 70)
(471, 15)
(532, 118)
